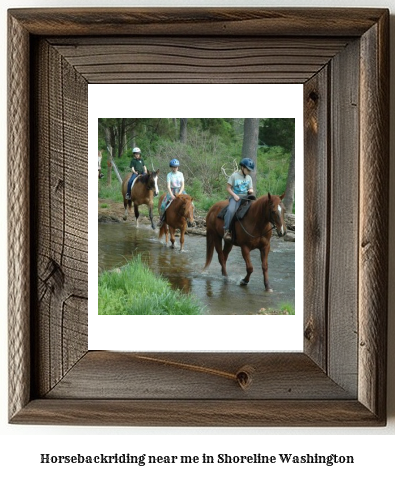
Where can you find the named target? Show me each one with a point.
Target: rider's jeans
(232, 208)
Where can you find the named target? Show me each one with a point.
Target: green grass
(135, 290)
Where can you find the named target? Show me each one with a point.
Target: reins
(254, 237)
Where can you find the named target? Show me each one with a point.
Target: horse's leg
(182, 233)
(227, 248)
(246, 256)
(151, 217)
(221, 255)
(136, 214)
(125, 205)
(265, 267)
(172, 236)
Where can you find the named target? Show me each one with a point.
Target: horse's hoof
(243, 282)
(269, 290)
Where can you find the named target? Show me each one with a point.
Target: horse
(144, 189)
(254, 231)
(179, 214)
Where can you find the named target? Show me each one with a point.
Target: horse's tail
(162, 230)
(209, 248)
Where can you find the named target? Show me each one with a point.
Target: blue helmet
(247, 163)
(174, 163)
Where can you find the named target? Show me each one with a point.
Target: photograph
(190, 209)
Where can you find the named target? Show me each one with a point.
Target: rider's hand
(236, 198)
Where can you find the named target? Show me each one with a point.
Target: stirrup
(227, 236)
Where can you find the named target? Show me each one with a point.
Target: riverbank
(110, 211)
(120, 294)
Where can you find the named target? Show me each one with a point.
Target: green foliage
(273, 170)
(135, 290)
(277, 132)
(287, 309)
(212, 152)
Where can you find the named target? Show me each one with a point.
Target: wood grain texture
(316, 214)
(373, 233)
(196, 376)
(344, 216)
(18, 218)
(259, 22)
(224, 60)
(63, 47)
(201, 413)
(61, 233)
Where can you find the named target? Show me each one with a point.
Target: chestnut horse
(252, 232)
(179, 214)
(144, 189)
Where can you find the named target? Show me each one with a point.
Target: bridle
(271, 220)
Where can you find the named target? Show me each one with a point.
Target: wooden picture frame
(342, 58)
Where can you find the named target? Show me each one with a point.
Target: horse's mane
(143, 178)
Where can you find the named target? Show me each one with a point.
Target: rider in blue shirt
(239, 186)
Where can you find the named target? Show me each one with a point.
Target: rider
(175, 185)
(239, 186)
(137, 167)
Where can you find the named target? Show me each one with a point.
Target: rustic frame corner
(342, 58)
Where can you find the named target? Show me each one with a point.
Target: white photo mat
(204, 333)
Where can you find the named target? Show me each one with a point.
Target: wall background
(23, 445)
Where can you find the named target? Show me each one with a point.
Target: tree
(278, 132)
(183, 130)
(290, 188)
(250, 144)
(109, 155)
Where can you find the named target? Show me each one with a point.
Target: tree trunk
(290, 188)
(109, 155)
(250, 144)
(183, 130)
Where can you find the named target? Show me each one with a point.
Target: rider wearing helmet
(175, 185)
(239, 186)
(137, 167)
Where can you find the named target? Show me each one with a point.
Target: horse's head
(277, 214)
(152, 181)
(186, 208)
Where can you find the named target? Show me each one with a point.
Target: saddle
(240, 213)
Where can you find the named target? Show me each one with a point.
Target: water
(119, 242)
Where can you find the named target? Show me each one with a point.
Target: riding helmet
(136, 150)
(174, 163)
(247, 163)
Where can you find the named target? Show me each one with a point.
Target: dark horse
(144, 189)
(178, 215)
(252, 232)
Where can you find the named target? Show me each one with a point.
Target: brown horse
(178, 215)
(252, 232)
(144, 189)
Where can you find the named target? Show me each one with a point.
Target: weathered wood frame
(342, 58)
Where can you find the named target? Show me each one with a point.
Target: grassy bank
(135, 290)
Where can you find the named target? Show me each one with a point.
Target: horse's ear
(148, 171)
(269, 196)
(282, 196)
(157, 171)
